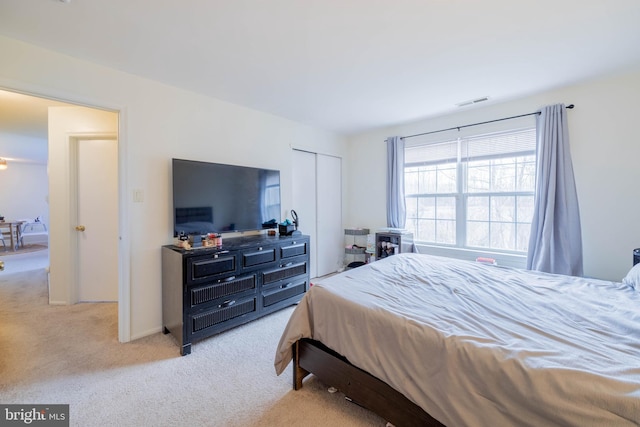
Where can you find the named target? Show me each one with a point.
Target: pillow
(633, 277)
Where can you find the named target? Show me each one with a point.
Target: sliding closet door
(317, 198)
(330, 245)
(304, 199)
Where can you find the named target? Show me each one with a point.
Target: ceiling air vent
(473, 101)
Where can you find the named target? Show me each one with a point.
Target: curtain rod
(570, 106)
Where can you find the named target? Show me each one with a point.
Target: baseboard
(146, 333)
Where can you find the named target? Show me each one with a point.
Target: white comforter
(480, 345)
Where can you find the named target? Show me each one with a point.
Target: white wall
(158, 122)
(24, 147)
(605, 152)
(24, 192)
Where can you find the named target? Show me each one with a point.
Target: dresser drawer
(283, 291)
(222, 288)
(202, 268)
(261, 256)
(223, 312)
(293, 250)
(284, 271)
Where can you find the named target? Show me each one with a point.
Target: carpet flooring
(71, 355)
(23, 249)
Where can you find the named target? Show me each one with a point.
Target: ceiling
(23, 127)
(346, 66)
(24, 115)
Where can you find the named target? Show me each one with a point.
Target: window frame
(462, 193)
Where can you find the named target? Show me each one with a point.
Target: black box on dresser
(209, 290)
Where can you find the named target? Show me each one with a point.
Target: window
(472, 192)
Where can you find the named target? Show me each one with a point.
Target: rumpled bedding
(482, 345)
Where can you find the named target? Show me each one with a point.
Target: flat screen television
(218, 198)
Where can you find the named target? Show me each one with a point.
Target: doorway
(68, 168)
(34, 109)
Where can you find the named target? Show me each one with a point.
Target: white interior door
(97, 216)
(304, 200)
(330, 245)
(317, 198)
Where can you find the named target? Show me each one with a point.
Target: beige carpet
(70, 354)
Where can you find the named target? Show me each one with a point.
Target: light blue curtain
(555, 245)
(396, 208)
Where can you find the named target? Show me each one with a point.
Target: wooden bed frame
(360, 387)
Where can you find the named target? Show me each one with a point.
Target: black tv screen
(218, 198)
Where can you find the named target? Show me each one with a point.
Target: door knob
(80, 227)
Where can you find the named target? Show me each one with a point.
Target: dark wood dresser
(206, 291)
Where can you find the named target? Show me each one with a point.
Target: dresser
(206, 291)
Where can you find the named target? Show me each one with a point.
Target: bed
(459, 343)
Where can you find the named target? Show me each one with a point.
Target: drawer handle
(286, 286)
(287, 264)
(229, 279)
(227, 303)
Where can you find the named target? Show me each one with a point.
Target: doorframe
(74, 141)
(124, 249)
